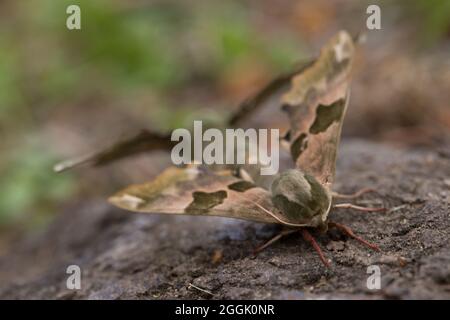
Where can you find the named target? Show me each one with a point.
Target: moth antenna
(270, 213)
(355, 207)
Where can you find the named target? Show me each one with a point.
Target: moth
(314, 97)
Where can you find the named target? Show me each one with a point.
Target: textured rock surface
(138, 256)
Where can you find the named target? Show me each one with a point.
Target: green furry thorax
(301, 198)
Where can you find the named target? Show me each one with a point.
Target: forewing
(144, 141)
(198, 191)
(316, 105)
(262, 108)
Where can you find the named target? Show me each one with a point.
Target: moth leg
(274, 239)
(358, 208)
(349, 232)
(308, 237)
(355, 195)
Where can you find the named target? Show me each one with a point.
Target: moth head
(301, 198)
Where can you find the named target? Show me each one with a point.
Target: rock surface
(138, 256)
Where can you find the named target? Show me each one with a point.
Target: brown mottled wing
(316, 105)
(150, 141)
(247, 109)
(198, 191)
(144, 141)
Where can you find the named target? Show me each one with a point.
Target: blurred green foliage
(150, 46)
(9, 72)
(430, 17)
(28, 189)
(436, 18)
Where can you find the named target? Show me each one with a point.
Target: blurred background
(162, 64)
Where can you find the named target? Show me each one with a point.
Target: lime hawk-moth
(315, 98)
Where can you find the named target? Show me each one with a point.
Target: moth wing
(262, 108)
(250, 113)
(316, 104)
(144, 141)
(198, 191)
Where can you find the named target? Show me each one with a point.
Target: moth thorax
(301, 198)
